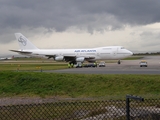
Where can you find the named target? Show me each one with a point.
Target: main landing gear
(119, 62)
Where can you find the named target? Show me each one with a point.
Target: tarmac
(126, 67)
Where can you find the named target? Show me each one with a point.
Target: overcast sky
(134, 24)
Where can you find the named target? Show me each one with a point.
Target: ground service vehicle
(143, 63)
(90, 65)
(78, 65)
(102, 64)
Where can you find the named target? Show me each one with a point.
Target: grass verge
(76, 85)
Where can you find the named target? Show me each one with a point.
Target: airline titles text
(85, 51)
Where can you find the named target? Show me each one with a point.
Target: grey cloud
(84, 14)
(146, 34)
(89, 15)
(149, 38)
(149, 34)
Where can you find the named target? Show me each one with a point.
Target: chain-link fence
(83, 110)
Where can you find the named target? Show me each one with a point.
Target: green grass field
(31, 84)
(14, 81)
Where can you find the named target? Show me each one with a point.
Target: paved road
(126, 67)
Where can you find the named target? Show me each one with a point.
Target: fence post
(128, 106)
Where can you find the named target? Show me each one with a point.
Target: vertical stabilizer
(24, 43)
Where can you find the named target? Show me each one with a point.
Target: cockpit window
(122, 48)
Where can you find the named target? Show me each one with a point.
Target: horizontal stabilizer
(21, 52)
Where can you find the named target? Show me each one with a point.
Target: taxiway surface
(126, 67)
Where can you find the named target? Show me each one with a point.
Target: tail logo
(22, 40)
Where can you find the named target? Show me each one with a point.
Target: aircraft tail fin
(24, 43)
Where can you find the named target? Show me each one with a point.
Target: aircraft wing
(90, 59)
(71, 58)
(21, 52)
(66, 58)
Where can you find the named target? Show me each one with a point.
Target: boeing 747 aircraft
(72, 55)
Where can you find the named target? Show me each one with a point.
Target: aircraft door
(114, 52)
(97, 53)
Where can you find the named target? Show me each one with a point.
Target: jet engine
(59, 58)
(80, 59)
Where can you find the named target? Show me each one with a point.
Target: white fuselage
(109, 52)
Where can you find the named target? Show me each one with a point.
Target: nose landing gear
(119, 62)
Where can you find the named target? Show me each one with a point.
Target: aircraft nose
(131, 53)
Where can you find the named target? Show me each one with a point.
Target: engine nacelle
(59, 58)
(80, 59)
